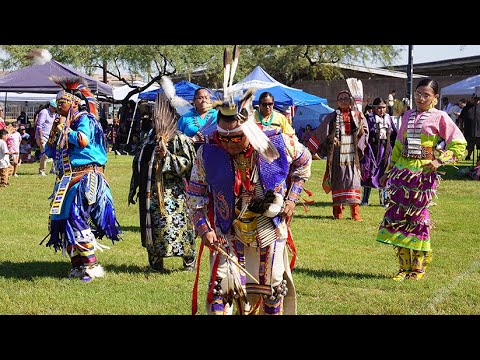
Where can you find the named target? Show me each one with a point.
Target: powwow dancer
(82, 206)
(412, 175)
(382, 133)
(160, 171)
(342, 138)
(240, 204)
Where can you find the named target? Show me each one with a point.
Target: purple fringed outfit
(406, 222)
(382, 133)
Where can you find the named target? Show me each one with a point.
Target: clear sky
(428, 53)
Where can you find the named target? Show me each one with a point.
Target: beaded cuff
(201, 224)
(295, 190)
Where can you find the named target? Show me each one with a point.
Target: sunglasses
(234, 139)
(267, 104)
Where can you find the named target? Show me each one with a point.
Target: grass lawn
(340, 268)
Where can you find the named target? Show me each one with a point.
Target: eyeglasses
(267, 104)
(422, 96)
(202, 98)
(345, 99)
(234, 139)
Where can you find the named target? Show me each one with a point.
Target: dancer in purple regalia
(382, 133)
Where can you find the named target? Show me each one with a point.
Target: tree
(286, 63)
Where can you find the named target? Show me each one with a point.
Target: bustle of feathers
(39, 56)
(164, 119)
(356, 89)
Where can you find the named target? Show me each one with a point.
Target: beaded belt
(427, 153)
(85, 168)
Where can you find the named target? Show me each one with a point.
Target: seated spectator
(26, 152)
(22, 119)
(23, 132)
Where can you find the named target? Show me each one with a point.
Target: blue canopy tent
(288, 96)
(312, 115)
(183, 89)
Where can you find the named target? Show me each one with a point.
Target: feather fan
(39, 56)
(165, 124)
(164, 119)
(356, 89)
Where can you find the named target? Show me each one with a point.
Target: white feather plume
(226, 74)
(39, 56)
(233, 70)
(356, 89)
(252, 131)
(259, 140)
(169, 89)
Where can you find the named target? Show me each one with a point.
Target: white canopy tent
(119, 93)
(463, 87)
(33, 97)
(258, 79)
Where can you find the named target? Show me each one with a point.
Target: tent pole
(5, 107)
(131, 124)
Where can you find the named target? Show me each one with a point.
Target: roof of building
(371, 72)
(460, 66)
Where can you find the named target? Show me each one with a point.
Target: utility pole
(105, 80)
(410, 76)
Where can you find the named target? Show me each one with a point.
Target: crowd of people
(230, 175)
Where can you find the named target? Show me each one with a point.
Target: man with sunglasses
(241, 198)
(269, 118)
(342, 137)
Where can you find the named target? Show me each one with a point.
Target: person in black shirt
(22, 119)
(469, 123)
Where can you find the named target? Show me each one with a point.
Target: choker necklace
(267, 122)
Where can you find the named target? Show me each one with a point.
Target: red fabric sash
(292, 248)
(312, 144)
(195, 284)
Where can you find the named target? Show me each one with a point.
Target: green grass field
(340, 268)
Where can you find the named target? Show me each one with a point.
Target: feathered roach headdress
(243, 112)
(76, 89)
